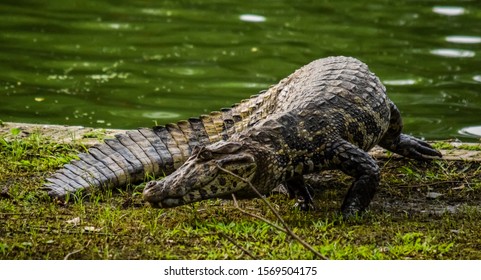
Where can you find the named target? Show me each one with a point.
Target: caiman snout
(151, 193)
(154, 193)
(200, 177)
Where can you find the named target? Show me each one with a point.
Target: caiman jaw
(160, 194)
(153, 194)
(201, 176)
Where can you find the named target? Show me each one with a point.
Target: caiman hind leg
(355, 162)
(403, 144)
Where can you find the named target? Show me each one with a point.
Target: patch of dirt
(409, 188)
(58, 133)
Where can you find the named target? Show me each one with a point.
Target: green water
(125, 64)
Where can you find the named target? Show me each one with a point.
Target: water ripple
(149, 114)
(453, 53)
(402, 82)
(449, 11)
(460, 39)
(252, 18)
(160, 115)
(471, 131)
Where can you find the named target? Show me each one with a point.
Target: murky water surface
(126, 64)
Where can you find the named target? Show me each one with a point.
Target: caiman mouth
(166, 203)
(153, 194)
(157, 196)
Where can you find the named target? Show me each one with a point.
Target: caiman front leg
(299, 190)
(403, 144)
(356, 163)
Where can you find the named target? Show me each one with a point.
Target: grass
(96, 134)
(449, 146)
(403, 222)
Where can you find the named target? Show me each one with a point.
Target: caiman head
(201, 178)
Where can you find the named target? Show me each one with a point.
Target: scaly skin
(326, 115)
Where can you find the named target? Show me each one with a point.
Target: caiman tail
(131, 157)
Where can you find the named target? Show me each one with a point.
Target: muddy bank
(58, 133)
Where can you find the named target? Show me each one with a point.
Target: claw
(415, 148)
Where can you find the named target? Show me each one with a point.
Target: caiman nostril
(150, 184)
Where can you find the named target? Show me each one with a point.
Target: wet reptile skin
(326, 115)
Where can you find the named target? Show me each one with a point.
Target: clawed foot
(301, 191)
(351, 213)
(304, 205)
(415, 148)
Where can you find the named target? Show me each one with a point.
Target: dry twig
(432, 184)
(286, 227)
(256, 216)
(237, 245)
(76, 251)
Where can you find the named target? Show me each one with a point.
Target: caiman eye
(205, 155)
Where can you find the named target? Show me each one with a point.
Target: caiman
(326, 115)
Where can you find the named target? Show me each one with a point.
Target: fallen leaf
(433, 195)
(459, 188)
(92, 229)
(74, 221)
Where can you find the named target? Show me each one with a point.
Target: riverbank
(422, 211)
